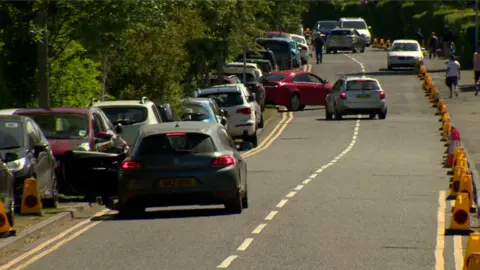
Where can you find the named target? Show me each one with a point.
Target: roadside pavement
(464, 109)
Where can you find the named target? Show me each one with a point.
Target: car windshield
(273, 78)
(354, 24)
(178, 142)
(250, 77)
(195, 112)
(341, 33)
(62, 125)
(327, 25)
(11, 134)
(125, 115)
(362, 85)
(405, 47)
(225, 99)
(264, 66)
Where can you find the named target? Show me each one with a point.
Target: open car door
(93, 174)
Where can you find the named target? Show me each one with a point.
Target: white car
(404, 53)
(303, 46)
(8, 111)
(236, 68)
(131, 114)
(245, 116)
(360, 25)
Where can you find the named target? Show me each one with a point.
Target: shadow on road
(467, 88)
(166, 214)
(345, 118)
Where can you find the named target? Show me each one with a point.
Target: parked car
(7, 183)
(260, 54)
(295, 89)
(360, 25)
(303, 47)
(238, 66)
(325, 27)
(131, 114)
(264, 65)
(356, 95)
(212, 80)
(27, 154)
(285, 54)
(345, 39)
(8, 111)
(252, 81)
(404, 53)
(80, 129)
(166, 112)
(204, 110)
(183, 164)
(245, 116)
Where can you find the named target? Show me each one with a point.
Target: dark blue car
(326, 27)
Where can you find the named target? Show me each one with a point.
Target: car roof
(182, 126)
(287, 72)
(405, 41)
(352, 19)
(198, 100)
(342, 29)
(278, 33)
(220, 89)
(298, 36)
(354, 78)
(54, 110)
(8, 111)
(273, 39)
(327, 21)
(122, 103)
(14, 117)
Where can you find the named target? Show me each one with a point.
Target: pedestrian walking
(433, 45)
(419, 36)
(453, 75)
(318, 44)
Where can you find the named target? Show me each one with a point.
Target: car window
(354, 24)
(273, 77)
(301, 78)
(194, 112)
(405, 47)
(40, 135)
(96, 124)
(337, 86)
(226, 99)
(314, 79)
(362, 85)
(250, 76)
(32, 136)
(11, 134)
(156, 113)
(326, 25)
(170, 143)
(62, 125)
(125, 115)
(214, 107)
(341, 33)
(356, 33)
(222, 135)
(106, 122)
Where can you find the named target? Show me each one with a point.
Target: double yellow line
(272, 136)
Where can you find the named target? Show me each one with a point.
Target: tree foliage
(155, 48)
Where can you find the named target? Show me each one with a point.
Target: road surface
(351, 194)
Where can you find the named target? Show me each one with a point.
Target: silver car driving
(356, 95)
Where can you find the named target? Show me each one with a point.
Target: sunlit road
(371, 202)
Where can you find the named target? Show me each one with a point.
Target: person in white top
(453, 75)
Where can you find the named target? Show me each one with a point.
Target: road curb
(41, 225)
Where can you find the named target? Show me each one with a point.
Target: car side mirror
(244, 146)
(224, 112)
(103, 135)
(325, 81)
(118, 128)
(223, 122)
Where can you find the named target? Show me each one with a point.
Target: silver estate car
(356, 95)
(345, 39)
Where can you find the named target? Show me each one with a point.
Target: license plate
(363, 96)
(177, 182)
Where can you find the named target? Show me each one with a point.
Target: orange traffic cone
(6, 229)
(31, 203)
(471, 251)
(460, 220)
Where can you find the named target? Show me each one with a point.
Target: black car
(27, 153)
(6, 192)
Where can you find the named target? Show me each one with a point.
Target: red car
(295, 89)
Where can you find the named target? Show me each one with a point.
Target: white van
(360, 25)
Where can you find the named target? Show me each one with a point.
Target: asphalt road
(372, 204)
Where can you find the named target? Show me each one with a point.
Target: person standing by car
(318, 43)
(433, 46)
(453, 75)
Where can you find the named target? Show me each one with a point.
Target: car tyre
(338, 116)
(372, 116)
(245, 198)
(253, 139)
(294, 103)
(328, 115)
(354, 50)
(382, 115)
(302, 107)
(262, 123)
(52, 202)
(11, 213)
(235, 205)
(363, 49)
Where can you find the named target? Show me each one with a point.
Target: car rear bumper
(358, 108)
(240, 129)
(340, 47)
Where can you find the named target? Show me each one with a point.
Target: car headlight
(17, 165)
(83, 147)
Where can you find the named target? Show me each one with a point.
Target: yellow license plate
(178, 182)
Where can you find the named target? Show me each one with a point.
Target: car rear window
(341, 33)
(250, 77)
(125, 115)
(277, 46)
(273, 78)
(226, 99)
(61, 125)
(362, 85)
(194, 112)
(171, 143)
(11, 134)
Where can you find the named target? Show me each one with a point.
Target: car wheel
(261, 124)
(11, 213)
(354, 51)
(363, 49)
(327, 51)
(335, 51)
(328, 115)
(294, 103)
(245, 198)
(130, 209)
(235, 205)
(338, 116)
(252, 139)
(382, 115)
(371, 116)
(52, 202)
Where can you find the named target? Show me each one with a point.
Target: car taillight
(244, 111)
(382, 95)
(223, 161)
(343, 95)
(130, 164)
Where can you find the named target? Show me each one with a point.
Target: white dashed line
(291, 194)
(299, 187)
(313, 175)
(226, 263)
(307, 181)
(259, 228)
(245, 244)
(271, 215)
(282, 203)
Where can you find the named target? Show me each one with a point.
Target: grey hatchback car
(356, 95)
(345, 39)
(183, 163)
